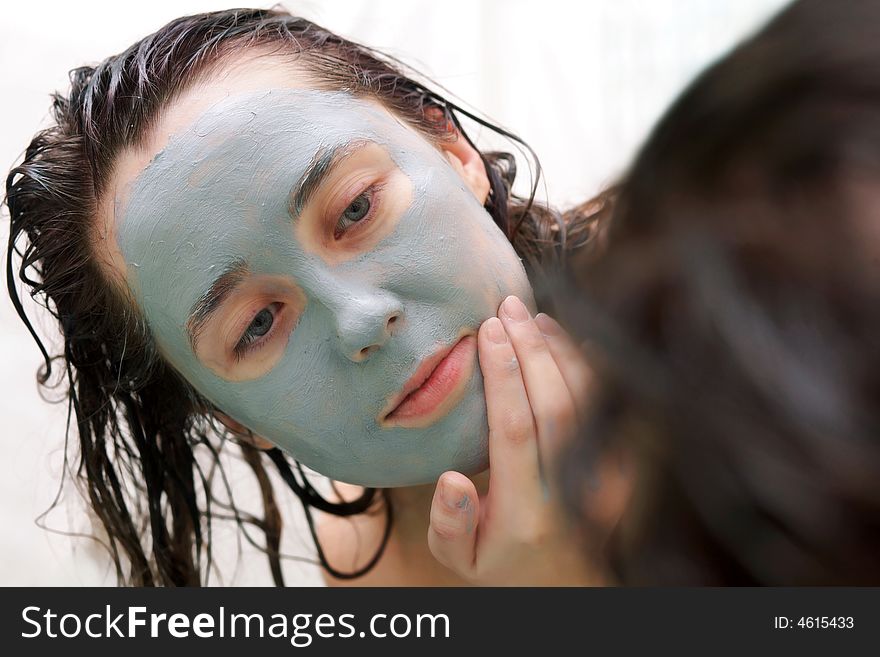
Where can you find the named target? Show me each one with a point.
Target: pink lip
(434, 389)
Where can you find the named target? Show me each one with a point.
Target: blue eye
(260, 325)
(358, 208)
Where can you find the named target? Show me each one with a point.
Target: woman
(245, 218)
(733, 319)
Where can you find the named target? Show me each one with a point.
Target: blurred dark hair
(733, 319)
(139, 424)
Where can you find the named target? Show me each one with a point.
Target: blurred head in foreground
(733, 319)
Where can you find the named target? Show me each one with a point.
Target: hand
(536, 382)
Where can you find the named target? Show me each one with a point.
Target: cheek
(486, 264)
(309, 399)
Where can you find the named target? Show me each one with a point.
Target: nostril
(366, 351)
(392, 320)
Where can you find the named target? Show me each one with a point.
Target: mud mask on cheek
(373, 324)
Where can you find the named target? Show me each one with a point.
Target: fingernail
(465, 506)
(547, 324)
(514, 309)
(453, 498)
(495, 331)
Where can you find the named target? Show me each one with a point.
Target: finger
(514, 476)
(453, 529)
(549, 397)
(569, 359)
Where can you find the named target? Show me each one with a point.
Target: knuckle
(518, 429)
(446, 527)
(561, 413)
(532, 531)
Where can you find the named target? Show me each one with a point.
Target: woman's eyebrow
(213, 298)
(322, 165)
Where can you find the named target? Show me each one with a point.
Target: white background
(582, 82)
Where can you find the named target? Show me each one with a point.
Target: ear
(466, 160)
(241, 432)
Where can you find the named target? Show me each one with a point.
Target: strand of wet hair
(311, 498)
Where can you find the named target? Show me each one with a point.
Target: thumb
(452, 534)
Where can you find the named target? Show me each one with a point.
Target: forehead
(271, 127)
(261, 138)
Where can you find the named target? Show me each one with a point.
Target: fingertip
(493, 331)
(514, 309)
(455, 491)
(451, 519)
(548, 326)
(457, 480)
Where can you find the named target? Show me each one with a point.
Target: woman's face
(318, 270)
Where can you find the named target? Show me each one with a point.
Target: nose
(365, 322)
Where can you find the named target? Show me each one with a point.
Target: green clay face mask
(318, 271)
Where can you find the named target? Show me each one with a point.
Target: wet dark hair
(140, 426)
(733, 320)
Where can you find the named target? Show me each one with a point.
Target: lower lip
(440, 392)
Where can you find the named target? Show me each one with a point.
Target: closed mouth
(435, 387)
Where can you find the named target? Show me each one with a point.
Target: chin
(470, 468)
(471, 458)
